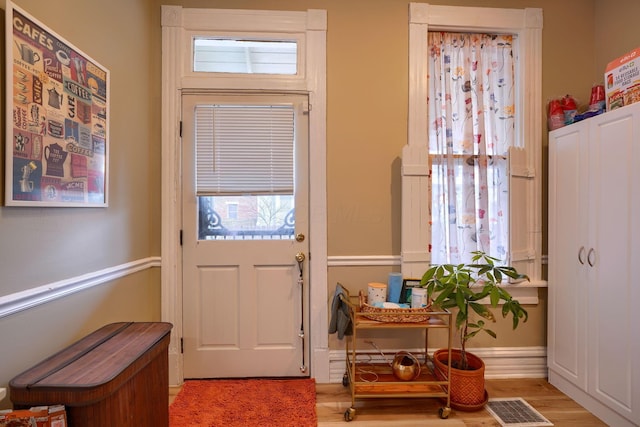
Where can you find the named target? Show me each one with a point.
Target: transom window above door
(245, 56)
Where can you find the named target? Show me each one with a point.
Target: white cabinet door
(594, 246)
(614, 241)
(568, 177)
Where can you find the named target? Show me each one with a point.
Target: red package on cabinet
(556, 115)
(597, 101)
(569, 109)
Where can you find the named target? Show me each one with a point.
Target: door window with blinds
(245, 170)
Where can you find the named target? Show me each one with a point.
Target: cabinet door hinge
(180, 128)
(181, 345)
(180, 237)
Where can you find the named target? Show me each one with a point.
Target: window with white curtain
(507, 220)
(471, 101)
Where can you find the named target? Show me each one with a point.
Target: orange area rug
(245, 403)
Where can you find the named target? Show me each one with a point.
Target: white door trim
(177, 22)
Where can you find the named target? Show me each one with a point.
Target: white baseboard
(500, 362)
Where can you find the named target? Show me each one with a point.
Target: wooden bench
(116, 376)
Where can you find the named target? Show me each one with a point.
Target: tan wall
(30, 336)
(367, 81)
(367, 84)
(367, 99)
(39, 246)
(366, 130)
(616, 31)
(42, 245)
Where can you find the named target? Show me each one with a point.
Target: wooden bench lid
(102, 361)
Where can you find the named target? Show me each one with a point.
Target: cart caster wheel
(349, 414)
(444, 412)
(345, 380)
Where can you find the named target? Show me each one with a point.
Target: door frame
(178, 24)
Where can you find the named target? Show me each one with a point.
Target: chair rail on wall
(24, 300)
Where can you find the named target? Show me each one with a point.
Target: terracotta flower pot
(467, 386)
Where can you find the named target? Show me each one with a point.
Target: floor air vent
(515, 412)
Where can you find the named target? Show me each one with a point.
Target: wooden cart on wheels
(378, 380)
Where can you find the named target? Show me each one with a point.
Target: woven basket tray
(393, 315)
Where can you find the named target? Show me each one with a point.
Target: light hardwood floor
(334, 399)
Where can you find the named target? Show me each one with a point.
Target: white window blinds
(244, 149)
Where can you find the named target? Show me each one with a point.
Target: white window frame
(526, 165)
(232, 213)
(178, 27)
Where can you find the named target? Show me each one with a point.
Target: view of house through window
(246, 217)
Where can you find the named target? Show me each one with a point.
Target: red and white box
(622, 80)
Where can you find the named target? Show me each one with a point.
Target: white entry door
(245, 235)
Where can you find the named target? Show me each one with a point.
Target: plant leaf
(498, 275)
(495, 296)
(461, 302)
(482, 310)
(472, 334)
(506, 308)
(484, 269)
(428, 275)
(460, 319)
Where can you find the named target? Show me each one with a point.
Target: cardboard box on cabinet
(622, 80)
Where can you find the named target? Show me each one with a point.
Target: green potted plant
(462, 287)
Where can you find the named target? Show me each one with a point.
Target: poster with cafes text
(58, 115)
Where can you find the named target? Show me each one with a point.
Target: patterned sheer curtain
(471, 127)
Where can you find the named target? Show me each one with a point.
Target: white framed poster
(57, 119)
